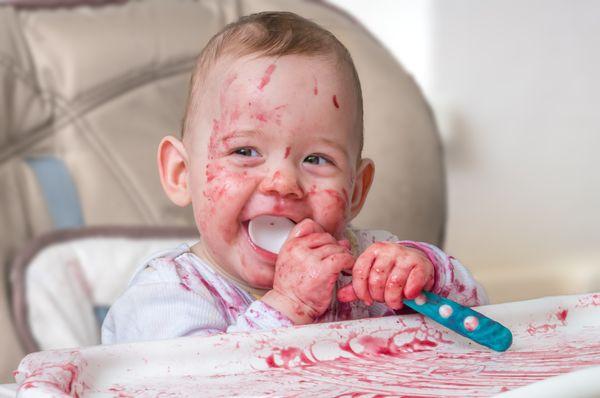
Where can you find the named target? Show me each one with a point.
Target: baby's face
(274, 136)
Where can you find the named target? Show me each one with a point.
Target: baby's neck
(199, 250)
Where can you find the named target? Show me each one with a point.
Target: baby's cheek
(222, 185)
(330, 209)
(223, 194)
(212, 171)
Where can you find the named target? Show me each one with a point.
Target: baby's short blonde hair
(270, 34)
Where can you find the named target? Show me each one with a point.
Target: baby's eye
(250, 152)
(317, 160)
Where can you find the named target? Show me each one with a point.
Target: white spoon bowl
(270, 232)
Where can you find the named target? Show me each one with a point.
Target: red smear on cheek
(212, 171)
(220, 181)
(316, 88)
(266, 77)
(212, 144)
(214, 194)
(222, 188)
(335, 102)
(287, 152)
(337, 198)
(332, 205)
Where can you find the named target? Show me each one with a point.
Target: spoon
(270, 232)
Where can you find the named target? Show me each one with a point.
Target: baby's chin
(261, 284)
(259, 277)
(243, 259)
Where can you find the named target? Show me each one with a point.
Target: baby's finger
(328, 250)
(382, 266)
(345, 243)
(360, 276)
(415, 282)
(346, 294)
(305, 227)
(394, 287)
(311, 241)
(316, 240)
(338, 262)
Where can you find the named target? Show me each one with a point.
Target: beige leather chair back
(87, 92)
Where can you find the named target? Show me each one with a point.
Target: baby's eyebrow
(240, 134)
(332, 143)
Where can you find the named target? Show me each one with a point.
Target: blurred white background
(516, 93)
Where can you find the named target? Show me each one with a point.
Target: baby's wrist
(298, 313)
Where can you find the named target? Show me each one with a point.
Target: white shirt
(178, 294)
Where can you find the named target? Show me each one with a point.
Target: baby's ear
(173, 170)
(364, 179)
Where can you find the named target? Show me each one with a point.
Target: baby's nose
(283, 182)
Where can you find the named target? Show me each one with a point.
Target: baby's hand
(306, 271)
(388, 272)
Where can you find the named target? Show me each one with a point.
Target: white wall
(516, 88)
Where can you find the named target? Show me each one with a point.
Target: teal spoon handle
(462, 320)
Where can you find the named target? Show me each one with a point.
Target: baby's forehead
(246, 69)
(252, 81)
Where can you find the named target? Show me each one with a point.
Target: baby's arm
(158, 305)
(451, 279)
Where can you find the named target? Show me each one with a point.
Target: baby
(274, 126)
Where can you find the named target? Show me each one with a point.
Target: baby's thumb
(346, 294)
(305, 227)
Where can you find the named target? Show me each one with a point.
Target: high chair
(87, 90)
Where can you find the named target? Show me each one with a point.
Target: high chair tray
(398, 355)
